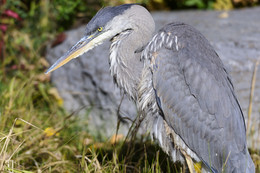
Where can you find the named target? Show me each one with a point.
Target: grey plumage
(179, 84)
(104, 16)
(200, 104)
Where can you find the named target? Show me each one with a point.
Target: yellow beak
(78, 49)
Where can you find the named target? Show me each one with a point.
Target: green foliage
(197, 3)
(49, 16)
(200, 4)
(67, 11)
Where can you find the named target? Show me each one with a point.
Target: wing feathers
(196, 94)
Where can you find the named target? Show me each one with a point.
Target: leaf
(197, 167)
(197, 3)
(223, 15)
(3, 27)
(49, 131)
(17, 171)
(12, 14)
(59, 39)
(116, 138)
(43, 77)
(54, 92)
(44, 62)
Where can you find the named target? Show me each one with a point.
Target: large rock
(86, 81)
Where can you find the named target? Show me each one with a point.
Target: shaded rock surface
(86, 81)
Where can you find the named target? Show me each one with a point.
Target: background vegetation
(36, 134)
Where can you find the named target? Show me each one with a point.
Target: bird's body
(195, 100)
(179, 84)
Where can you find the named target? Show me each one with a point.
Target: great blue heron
(179, 84)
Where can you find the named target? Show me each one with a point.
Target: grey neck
(125, 64)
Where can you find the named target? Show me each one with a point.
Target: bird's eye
(100, 29)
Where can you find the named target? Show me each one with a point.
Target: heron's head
(107, 23)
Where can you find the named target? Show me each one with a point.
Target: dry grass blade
(224, 165)
(95, 162)
(14, 134)
(252, 95)
(3, 153)
(4, 149)
(29, 124)
(15, 151)
(53, 164)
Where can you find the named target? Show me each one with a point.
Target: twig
(118, 117)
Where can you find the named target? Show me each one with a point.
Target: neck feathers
(125, 63)
(120, 67)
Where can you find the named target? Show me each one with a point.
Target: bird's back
(195, 97)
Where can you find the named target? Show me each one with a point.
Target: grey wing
(196, 96)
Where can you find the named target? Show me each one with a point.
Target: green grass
(39, 136)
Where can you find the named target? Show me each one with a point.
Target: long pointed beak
(82, 46)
